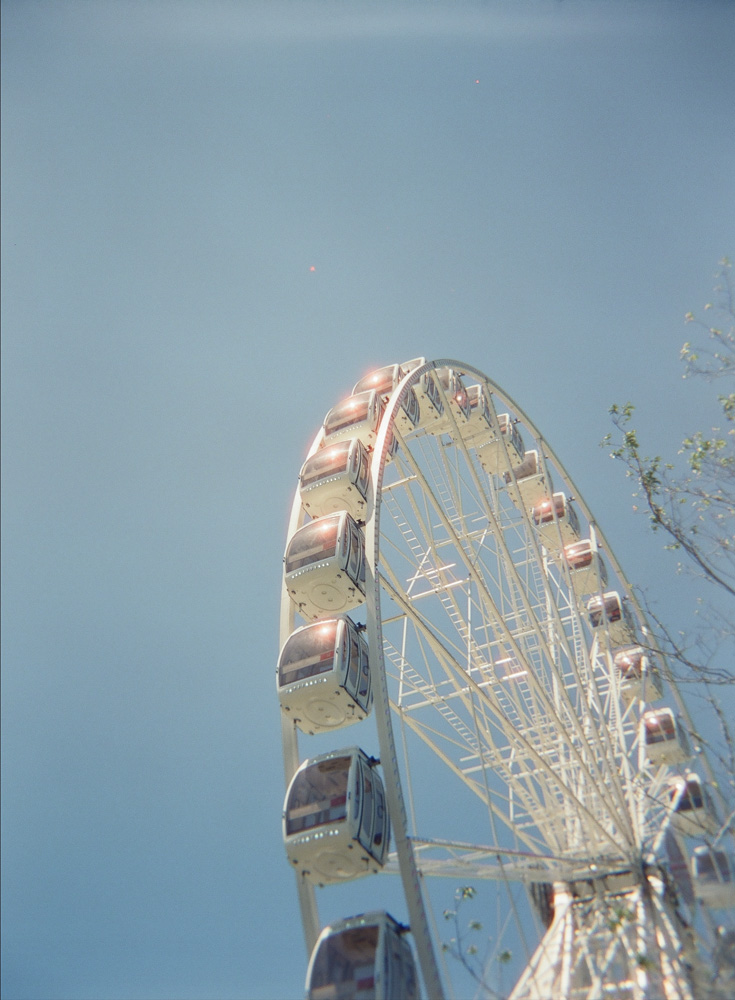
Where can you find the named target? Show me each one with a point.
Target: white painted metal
(494, 691)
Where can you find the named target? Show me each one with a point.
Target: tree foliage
(469, 947)
(691, 498)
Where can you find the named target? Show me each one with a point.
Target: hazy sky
(216, 217)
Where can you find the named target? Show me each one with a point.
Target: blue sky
(216, 218)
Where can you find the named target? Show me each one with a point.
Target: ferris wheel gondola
(367, 956)
(335, 822)
(324, 678)
(509, 659)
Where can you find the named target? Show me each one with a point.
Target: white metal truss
(490, 679)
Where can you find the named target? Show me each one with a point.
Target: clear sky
(216, 217)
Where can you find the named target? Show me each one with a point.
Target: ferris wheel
(450, 601)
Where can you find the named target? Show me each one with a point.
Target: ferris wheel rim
(412, 885)
(405, 843)
(413, 892)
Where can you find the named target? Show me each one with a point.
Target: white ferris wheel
(450, 602)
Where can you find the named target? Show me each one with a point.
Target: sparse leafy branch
(690, 507)
(692, 498)
(717, 359)
(726, 757)
(691, 657)
(462, 945)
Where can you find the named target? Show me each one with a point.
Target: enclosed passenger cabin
(324, 675)
(556, 518)
(637, 673)
(455, 394)
(609, 611)
(336, 478)
(665, 740)
(335, 820)
(479, 427)
(355, 417)
(431, 405)
(586, 566)
(325, 566)
(693, 811)
(362, 958)
(713, 876)
(384, 381)
(479, 431)
(531, 481)
(412, 365)
(408, 416)
(504, 451)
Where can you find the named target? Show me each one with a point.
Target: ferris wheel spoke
(548, 721)
(469, 734)
(596, 719)
(479, 868)
(536, 767)
(535, 864)
(610, 780)
(512, 816)
(492, 657)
